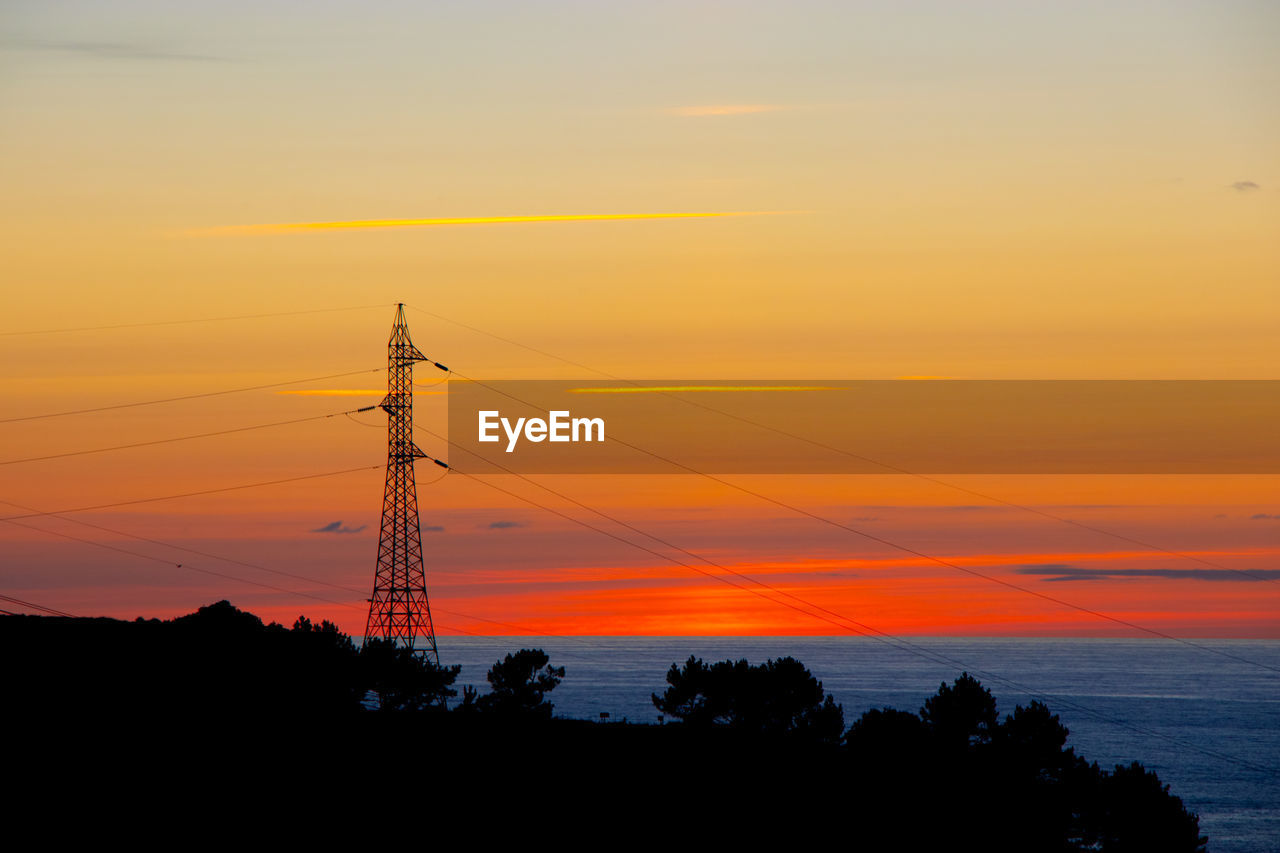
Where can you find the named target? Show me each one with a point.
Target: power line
(901, 645)
(972, 492)
(272, 587)
(875, 634)
(903, 548)
(728, 570)
(186, 322)
(512, 342)
(868, 631)
(182, 437)
(187, 397)
(189, 567)
(186, 566)
(648, 550)
(162, 543)
(40, 607)
(635, 529)
(193, 494)
(887, 466)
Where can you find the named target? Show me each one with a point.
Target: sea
(1206, 719)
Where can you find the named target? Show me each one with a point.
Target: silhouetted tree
(1134, 813)
(305, 626)
(962, 715)
(469, 703)
(403, 680)
(1032, 742)
(519, 683)
(778, 697)
(886, 738)
(321, 666)
(694, 694)
(1039, 780)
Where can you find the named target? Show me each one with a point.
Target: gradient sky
(978, 190)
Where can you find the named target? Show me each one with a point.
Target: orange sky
(992, 191)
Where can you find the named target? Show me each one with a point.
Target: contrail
(671, 389)
(291, 227)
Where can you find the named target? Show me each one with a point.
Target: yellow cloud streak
(348, 392)
(666, 389)
(354, 224)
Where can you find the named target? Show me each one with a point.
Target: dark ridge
(301, 718)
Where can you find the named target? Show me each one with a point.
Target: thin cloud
(366, 224)
(113, 50)
(1064, 572)
(503, 525)
(337, 527)
(1263, 516)
(432, 528)
(727, 109)
(1245, 186)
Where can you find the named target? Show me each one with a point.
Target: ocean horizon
(1207, 724)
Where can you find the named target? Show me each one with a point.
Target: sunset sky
(973, 191)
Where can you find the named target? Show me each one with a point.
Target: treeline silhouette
(955, 775)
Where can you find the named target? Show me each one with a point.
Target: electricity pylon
(398, 609)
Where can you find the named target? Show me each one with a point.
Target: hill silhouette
(221, 683)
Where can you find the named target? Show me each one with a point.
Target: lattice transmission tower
(398, 609)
